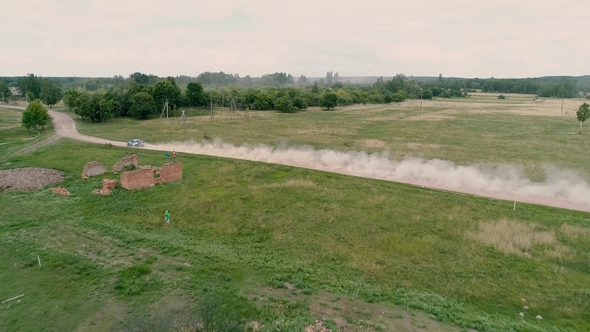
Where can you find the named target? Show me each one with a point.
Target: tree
(140, 78)
(142, 105)
(583, 114)
(50, 93)
(166, 91)
(30, 96)
(109, 107)
(263, 101)
(315, 88)
(302, 80)
(5, 92)
(329, 100)
(194, 94)
(30, 83)
(35, 115)
(284, 104)
(96, 108)
(440, 79)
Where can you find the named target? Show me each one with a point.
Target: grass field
(254, 243)
(245, 230)
(13, 137)
(479, 130)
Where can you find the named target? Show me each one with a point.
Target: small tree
(195, 94)
(142, 106)
(329, 100)
(30, 96)
(35, 115)
(50, 93)
(583, 114)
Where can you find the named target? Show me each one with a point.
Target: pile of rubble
(318, 327)
(60, 191)
(107, 186)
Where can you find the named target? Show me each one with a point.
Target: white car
(135, 142)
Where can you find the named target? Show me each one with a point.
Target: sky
(457, 38)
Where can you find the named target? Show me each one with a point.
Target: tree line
(143, 95)
(141, 101)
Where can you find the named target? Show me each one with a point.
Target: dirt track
(66, 127)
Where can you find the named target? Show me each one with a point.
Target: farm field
(271, 247)
(530, 134)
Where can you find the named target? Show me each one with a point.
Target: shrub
(501, 97)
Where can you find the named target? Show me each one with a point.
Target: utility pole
(165, 108)
(420, 103)
(3, 102)
(212, 116)
(562, 97)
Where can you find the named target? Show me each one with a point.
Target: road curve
(66, 127)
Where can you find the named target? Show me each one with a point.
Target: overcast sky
(466, 38)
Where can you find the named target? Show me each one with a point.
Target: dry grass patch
(323, 131)
(372, 144)
(511, 237)
(423, 146)
(301, 183)
(429, 117)
(574, 231)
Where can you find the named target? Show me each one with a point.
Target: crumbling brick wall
(93, 168)
(137, 179)
(170, 172)
(131, 160)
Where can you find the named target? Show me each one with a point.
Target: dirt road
(66, 127)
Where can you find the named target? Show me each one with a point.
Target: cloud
(423, 37)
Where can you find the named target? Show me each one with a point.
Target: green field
(477, 130)
(14, 139)
(283, 246)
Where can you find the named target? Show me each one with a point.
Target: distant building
(15, 92)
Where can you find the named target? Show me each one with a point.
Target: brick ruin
(127, 161)
(107, 186)
(143, 176)
(93, 168)
(146, 177)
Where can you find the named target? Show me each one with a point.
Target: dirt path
(66, 127)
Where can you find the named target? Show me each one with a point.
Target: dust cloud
(562, 188)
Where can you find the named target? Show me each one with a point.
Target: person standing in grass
(167, 156)
(167, 218)
(174, 156)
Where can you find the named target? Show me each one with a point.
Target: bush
(35, 115)
(501, 97)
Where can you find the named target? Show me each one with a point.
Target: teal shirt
(166, 215)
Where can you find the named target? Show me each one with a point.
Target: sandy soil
(66, 127)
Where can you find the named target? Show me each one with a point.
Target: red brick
(137, 179)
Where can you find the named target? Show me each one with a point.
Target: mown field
(520, 130)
